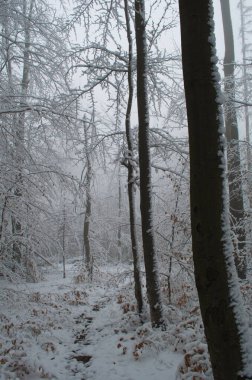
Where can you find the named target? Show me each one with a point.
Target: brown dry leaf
(182, 300)
(120, 299)
(48, 347)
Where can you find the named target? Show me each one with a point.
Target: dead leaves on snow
(36, 321)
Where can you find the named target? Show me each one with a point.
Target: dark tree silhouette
(215, 275)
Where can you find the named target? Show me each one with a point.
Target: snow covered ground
(58, 329)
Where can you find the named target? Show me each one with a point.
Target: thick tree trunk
(150, 256)
(131, 171)
(234, 161)
(216, 279)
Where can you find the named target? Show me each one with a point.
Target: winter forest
(125, 190)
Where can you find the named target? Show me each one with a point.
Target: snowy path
(59, 330)
(113, 351)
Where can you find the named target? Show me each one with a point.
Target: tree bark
(119, 231)
(150, 256)
(20, 137)
(88, 213)
(215, 275)
(131, 171)
(64, 238)
(234, 160)
(246, 112)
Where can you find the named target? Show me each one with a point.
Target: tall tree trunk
(119, 231)
(234, 161)
(7, 52)
(20, 136)
(64, 238)
(150, 255)
(88, 212)
(246, 112)
(215, 274)
(131, 171)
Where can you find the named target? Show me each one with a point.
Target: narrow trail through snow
(57, 329)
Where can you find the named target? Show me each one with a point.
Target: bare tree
(20, 133)
(32, 94)
(246, 93)
(234, 160)
(130, 163)
(88, 211)
(150, 255)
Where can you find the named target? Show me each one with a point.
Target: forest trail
(57, 329)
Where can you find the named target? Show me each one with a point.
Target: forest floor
(61, 329)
